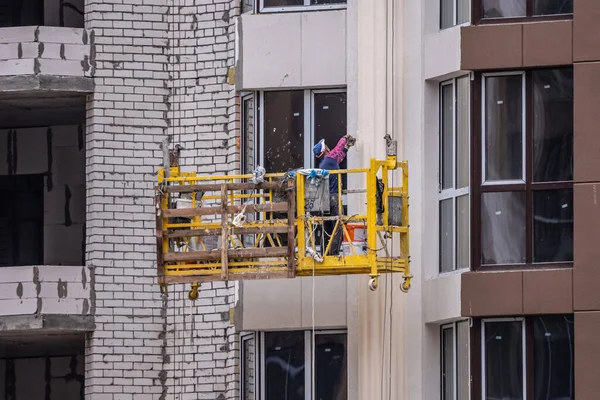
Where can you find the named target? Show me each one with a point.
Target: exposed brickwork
(160, 69)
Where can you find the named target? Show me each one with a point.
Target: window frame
(528, 186)
(244, 337)
(523, 179)
(306, 7)
(477, 352)
(309, 134)
(309, 374)
(524, 355)
(454, 327)
(453, 193)
(478, 19)
(455, 23)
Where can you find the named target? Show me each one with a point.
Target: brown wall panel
(586, 140)
(492, 47)
(491, 294)
(548, 291)
(548, 43)
(587, 354)
(586, 270)
(586, 32)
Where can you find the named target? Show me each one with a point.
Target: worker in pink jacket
(331, 160)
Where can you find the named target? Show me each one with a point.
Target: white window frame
(309, 128)
(524, 129)
(309, 375)
(454, 15)
(243, 338)
(243, 139)
(524, 351)
(453, 193)
(453, 326)
(306, 7)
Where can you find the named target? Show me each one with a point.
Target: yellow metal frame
(381, 241)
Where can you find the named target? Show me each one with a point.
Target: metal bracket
(391, 146)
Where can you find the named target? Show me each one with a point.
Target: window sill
(516, 20)
(525, 267)
(289, 9)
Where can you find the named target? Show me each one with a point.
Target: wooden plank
(160, 263)
(233, 253)
(291, 237)
(215, 278)
(214, 187)
(253, 230)
(224, 233)
(200, 211)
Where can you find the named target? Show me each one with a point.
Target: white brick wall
(160, 69)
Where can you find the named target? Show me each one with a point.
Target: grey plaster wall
(46, 290)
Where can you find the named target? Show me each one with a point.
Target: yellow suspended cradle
(239, 227)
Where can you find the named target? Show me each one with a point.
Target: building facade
(493, 106)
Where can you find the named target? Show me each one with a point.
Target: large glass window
(528, 355)
(454, 12)
(492, 9)
(526, 153)
(553, 349)
(284, 365)
(454, 208)
(503, 359)
(295, 365)
(455, 361)
(293, 122)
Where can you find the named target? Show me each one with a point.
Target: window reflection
(503, 228)
(503, 128)
(553, 350)
(503, 360)
(331, 367)
(284, 130)
(553, 225)
(504, 8)
(550, 7)
(284, 365)
(553, 125)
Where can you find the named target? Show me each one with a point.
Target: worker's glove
(350, 141)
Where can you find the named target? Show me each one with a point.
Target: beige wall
(288, 304)
(290, 50)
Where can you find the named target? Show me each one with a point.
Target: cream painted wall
(288, 304)
(290, 50)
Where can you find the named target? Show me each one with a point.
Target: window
(247, 6)
(454, 12)
(454, 207)
(494, 9)
(298, 5)
(526, 153)
(248, 366)
(286, 366)
(248, 139)
(291, 122)
(524, 356)
(455, 377)
(21, 220)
